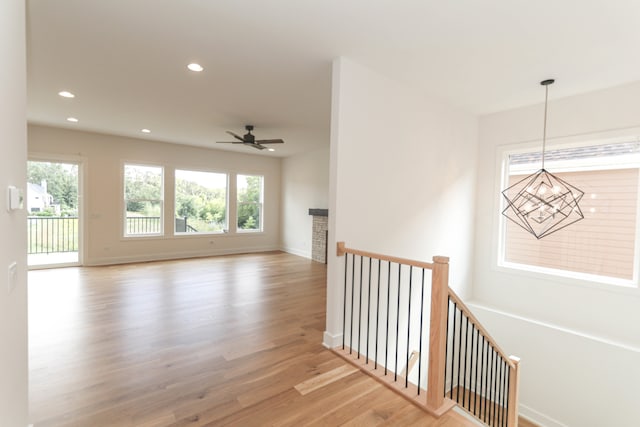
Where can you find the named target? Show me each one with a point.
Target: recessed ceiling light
(145, 131)
(66, 94)
(271, 149)
(195, 67)
(72, 119)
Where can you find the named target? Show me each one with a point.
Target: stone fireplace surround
(319, 234)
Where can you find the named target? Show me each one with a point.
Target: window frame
(225, 229)
(260, 204)
(502, 178)
(124, 200)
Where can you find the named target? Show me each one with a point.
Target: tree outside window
(201, 202)
(143, 199)
(250, 200)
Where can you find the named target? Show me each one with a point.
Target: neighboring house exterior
(37, 197)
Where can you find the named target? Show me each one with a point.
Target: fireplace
(319, 234)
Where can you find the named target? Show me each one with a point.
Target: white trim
(168, 256)
(123, 198)
(331, 341)
(298, 252)
(601, 340)
(629, 287)
(82, 198)
(538, 418)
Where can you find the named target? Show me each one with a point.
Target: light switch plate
(13, 277)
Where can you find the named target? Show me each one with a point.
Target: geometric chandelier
(542, 203)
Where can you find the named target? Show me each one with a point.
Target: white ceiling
(268, 63)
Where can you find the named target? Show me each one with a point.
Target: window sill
(624, 286)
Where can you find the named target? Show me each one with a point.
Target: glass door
(53, 221)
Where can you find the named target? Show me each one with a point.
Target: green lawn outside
(52, 234)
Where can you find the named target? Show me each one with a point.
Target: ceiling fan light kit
(542, 203)
(250, 139)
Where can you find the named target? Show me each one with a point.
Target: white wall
(402, 177)
(603, 312)
(105, 155)
(305, 184)
(13, 140)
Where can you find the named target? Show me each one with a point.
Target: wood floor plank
(221, 341)
(322, 380)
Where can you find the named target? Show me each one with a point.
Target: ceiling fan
(250, 139)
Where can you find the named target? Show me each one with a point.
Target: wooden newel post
(514, 384)
(340, 248)
(438, 333)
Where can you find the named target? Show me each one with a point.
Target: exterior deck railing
(52, 234)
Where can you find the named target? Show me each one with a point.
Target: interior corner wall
(13, 140)
(402, 177)
(305, 185)
(568, 333)
(103, 204)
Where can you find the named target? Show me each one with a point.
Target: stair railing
(384, 333)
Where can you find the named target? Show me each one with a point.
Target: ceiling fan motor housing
(249, 137)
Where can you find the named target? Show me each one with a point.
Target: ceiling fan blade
(269, 141)
(229, 142)
(257, 146)
(235, 135)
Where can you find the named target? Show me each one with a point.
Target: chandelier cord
(544, 127)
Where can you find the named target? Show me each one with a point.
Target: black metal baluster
(501, 391)
(386, 345)
(344, 301)
(505, 388)
(420, 344)
(495, 389)
(459, 359)
(490, 388)
(464, 367)
(497, 399)
(395, 373)
(375, 363)
(475, 398)
(368, 311)
(492, 385)
(473, 337)
(446, 341)
(360, 306)
(406, 377)
(485, 371)
(353, 281)
(453, 347)
(508, 387)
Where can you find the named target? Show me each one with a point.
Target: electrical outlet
(13, 276)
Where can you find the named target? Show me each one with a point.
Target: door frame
(81, 162)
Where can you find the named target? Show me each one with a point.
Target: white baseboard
(294, 251)
(176, 255)
(330, 340)
(537, 417)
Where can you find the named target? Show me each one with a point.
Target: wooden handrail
(436, 402)
(342, 249)
(462, 306)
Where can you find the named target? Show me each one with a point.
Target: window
(250, 196)
(602, 246)
(201, 202)
(143, 200)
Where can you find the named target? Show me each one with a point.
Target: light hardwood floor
(232, 340)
